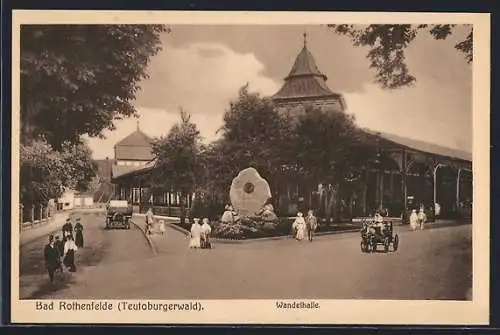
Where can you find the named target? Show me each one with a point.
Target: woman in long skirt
(414, 220)
(422, 218)
(78, 234)
(205, 234)
(300, 226)
(195, 235)
(149, 221)
(70, 249)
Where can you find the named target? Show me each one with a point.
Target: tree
(388, 43)
(79, 167)
(178, 165)
(331, 146)
(331, 149)
(45, 172)
(79, 79)
(253, 134)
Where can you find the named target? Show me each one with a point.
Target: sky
(201, 69)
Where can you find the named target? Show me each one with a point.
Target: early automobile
(118, 214)
(375, 233)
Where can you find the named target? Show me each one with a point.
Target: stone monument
(249, 192)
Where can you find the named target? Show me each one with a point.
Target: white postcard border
(400, 312)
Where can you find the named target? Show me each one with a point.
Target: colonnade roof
(422, 146)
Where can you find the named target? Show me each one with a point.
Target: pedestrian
(51, 256)
(422, 218)
(60, 248)
(414, 220)
(149, 221)
(163, 228)
(67, 228)
(205, 234)
(78, 233)
(228, 215)
(311, 224)
(70, 249)
(300, 226)
(195, 234)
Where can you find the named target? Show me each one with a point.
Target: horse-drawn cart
(118, 214)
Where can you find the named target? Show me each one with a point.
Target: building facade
(409, 174)
(133, 153)
(131, 176)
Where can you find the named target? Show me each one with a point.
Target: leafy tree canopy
(330, 146)
(254, 132)
(79, 79)
(45, 172)
(387, 44)
(178, 164)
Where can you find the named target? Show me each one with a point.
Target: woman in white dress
(195, 235)
(228, 215)
(422, 218)
(300, 226)
(70, 249)
(414, 220)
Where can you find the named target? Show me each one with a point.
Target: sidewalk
(55, 223)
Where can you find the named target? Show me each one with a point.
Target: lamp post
(379, 167)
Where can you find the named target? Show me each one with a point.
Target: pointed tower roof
(136, 139)
(305, 80)
(136, 146)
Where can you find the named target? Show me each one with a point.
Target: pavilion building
(133, 154)
(411, 172)
(131, 175)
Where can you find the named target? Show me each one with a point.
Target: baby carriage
(205, 242)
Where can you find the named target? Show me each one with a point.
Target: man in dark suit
(51, 256)
(67, 229)
(60, 248)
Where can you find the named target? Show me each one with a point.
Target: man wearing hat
(51, 256)
(67, 229)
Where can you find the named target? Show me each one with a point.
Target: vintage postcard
(250, 168)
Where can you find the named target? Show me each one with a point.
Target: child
(162, 227)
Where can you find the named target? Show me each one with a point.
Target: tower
(306, 86)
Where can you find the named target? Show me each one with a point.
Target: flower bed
(252, 229)
(248, 229)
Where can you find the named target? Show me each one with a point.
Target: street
(119, 264)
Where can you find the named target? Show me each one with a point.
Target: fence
(32, 216)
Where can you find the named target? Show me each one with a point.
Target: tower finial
(138, 125)
(305, 39)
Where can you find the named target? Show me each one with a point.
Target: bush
(237, 231)
(251, 228)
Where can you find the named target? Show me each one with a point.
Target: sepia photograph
(295, 162)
